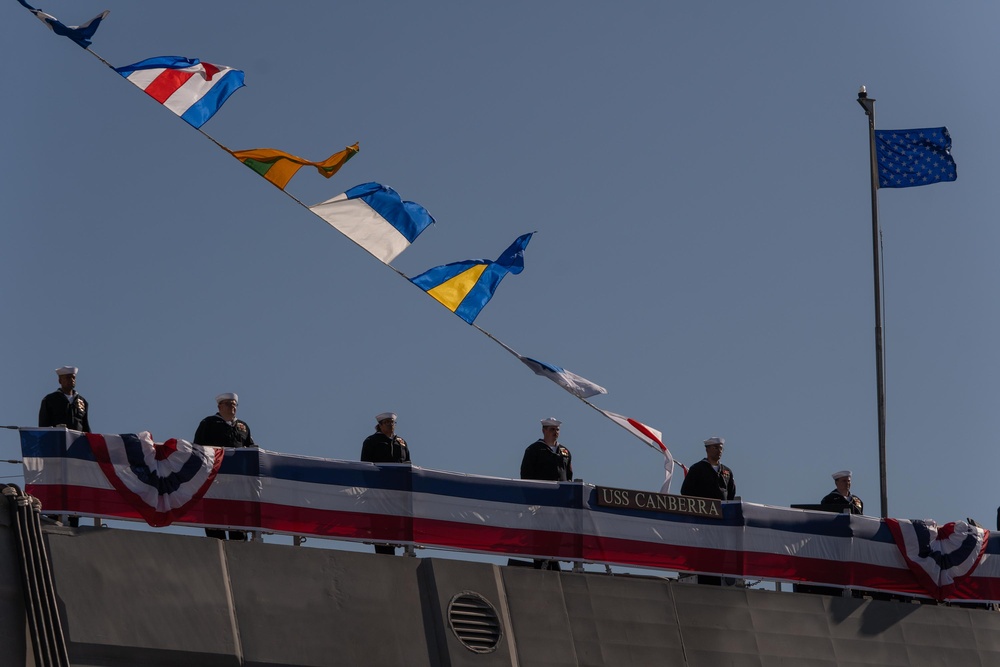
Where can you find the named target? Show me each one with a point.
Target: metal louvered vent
(474, 621)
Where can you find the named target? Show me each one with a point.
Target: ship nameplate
(658, 502)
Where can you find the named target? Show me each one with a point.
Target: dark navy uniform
(214, 431)
(58, 409)
(704, 482)
(380, 448)
(73, 412)
(852, 501)
(540, 462)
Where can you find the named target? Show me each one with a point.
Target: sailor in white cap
(547, 458)
(841, 497)
(223, 429)
(384, 446)
(65, 407)
(708, 478)
(550, 460)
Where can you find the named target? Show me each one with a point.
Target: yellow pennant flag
(279, 166)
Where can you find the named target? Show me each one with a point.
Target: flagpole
(868, 104)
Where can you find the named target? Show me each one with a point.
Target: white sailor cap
(841, 473)
(715, 441)
(227, 397)
(382, 416)
(67, 370)
(551, 421)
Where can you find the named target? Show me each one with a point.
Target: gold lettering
(658, 502)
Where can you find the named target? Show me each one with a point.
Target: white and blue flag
(571, 382)
(80, 34)
(376, 218)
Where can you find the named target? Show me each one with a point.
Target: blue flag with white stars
(908, 158)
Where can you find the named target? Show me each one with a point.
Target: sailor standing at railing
(547, 458)
(708, 478)
(223, 429)
(842, 496)
(65, 407)
(384, 446)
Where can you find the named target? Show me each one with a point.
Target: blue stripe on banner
(80, 449)
(407, 217)
(240, 461)
(396, 477)
(42, 444)
(391, 477)
(201, 111)
(818, 523)
(496, 490)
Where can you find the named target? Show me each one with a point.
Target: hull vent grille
(474, 621)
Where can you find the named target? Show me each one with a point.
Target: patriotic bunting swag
(132, 477)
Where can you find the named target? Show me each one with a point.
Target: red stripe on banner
(494, 539)
(751, 564)
(359, 526)
(331, 523)
(84, 500)
(166, 84)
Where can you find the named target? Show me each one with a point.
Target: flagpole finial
(867, 103)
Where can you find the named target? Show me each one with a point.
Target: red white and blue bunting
(131, 477)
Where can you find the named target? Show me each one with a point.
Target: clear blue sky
(698, 177)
